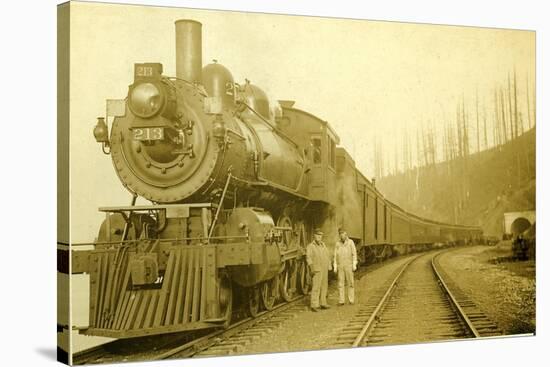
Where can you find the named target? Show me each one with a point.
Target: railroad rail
(136, 349)
(89, 355)
(418, 303)
(218, 342)
(476, 319)
(238, 335)
(235, 339)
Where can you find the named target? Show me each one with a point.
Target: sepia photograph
(235, 183)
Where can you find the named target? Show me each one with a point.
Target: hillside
(476, 190)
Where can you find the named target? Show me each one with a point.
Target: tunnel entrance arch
(518, 222)
(520, 225)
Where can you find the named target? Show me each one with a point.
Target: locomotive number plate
(149, 133)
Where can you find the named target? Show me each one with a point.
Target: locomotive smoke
(347, 200)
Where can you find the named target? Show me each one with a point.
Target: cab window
(316, 145)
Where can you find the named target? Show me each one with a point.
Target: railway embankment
(505, 290)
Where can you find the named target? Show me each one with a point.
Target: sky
(369, 79)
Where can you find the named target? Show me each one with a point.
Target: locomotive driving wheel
(304, 277)
(269, 292)
(288, 235)
(287, 281)
(254, 301)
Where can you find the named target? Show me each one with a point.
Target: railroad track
(417, 304)
(89, 355)
(238, 335)
(235, 339)
(218, 342)
(442, 312)
(124, 350)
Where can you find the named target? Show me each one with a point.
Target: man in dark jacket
(319, 263)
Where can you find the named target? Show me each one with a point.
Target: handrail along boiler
(236, 186)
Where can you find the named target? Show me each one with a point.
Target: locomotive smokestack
(189, 50)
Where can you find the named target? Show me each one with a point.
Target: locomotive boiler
(236, 185)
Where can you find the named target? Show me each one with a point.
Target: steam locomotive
(236, 186)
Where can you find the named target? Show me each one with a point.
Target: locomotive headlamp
(145, 99)
(101, 131)
(101, 134)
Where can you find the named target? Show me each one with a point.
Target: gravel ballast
(504, 291)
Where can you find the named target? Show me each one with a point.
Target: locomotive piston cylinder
(189, 50)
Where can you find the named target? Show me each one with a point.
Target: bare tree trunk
(424, 145)
(406, 151)
(486, 143)
(528, 104)
(465, 132)
(459, 132)
(407, 154)
(513, 124)
(434, 144)
(519, 170)
(518, 122)
(496, 126)
(477, 121)
(503, 107)
(418, 153)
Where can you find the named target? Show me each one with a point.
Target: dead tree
(498, 124)
(485, 127)
(503, 110)
(528, 104)
(477, 121)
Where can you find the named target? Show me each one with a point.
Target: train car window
(316, 143)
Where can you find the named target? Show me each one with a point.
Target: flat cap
(341, 230)
(318, 231)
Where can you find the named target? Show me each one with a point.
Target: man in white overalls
(345, 263)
